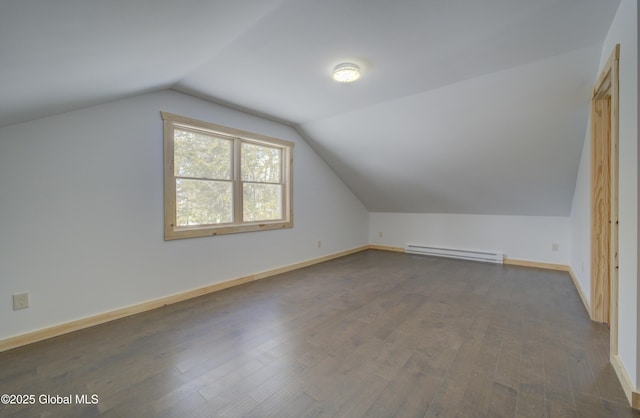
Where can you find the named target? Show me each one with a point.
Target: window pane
(201, 156)
(200, 202)
(262, 202)
(261, 164)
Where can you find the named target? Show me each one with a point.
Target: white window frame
(172, 230)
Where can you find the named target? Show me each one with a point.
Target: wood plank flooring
(374, 334)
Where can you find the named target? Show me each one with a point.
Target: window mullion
(237, 182)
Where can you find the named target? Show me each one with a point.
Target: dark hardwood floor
(375, 334)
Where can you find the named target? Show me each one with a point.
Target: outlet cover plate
(20, 301)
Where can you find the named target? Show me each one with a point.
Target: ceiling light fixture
(346, 73)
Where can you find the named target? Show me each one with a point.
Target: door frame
(604, 198)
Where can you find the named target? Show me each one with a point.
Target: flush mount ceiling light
(346, 73)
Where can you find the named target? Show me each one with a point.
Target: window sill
(172, 233)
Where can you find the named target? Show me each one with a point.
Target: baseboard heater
(488, 257)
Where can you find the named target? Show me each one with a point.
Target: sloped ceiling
(466, 106)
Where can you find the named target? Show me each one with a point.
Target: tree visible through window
(204, 178)
(223, 180)
(261, 182)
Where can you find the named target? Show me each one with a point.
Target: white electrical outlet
(555, 247)
(20, 301)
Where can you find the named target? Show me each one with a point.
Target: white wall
(81, 199)
(519, 237)
(581, 220)
(624, 30)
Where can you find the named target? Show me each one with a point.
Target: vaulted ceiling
(466, 106)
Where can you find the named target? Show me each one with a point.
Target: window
(220, 180)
